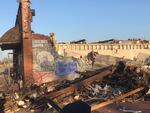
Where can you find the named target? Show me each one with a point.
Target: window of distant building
(99, 47)
(122, 46)
(107, 47)
(140, 46)
(130, 47)
(126, 46)
(111, 47)
(118, 46)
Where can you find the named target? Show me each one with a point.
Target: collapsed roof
(11, 38)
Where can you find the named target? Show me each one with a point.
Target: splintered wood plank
(97, 106)
(79, 84)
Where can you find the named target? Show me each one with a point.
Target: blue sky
(91, 19)
(77, 19)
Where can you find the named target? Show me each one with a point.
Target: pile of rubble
(112, 83)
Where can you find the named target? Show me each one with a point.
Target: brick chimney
(26, 40)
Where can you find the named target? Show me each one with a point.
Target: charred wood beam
(95, 107)
(81, 83)
(42, 101)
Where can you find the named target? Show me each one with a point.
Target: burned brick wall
(43, 61)
(48, 65)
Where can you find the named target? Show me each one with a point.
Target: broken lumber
(79, 84)
(95, 107)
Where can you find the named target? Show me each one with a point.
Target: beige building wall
(118, 50)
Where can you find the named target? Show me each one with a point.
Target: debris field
(99, 88)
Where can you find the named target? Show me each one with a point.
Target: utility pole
(26, 39)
